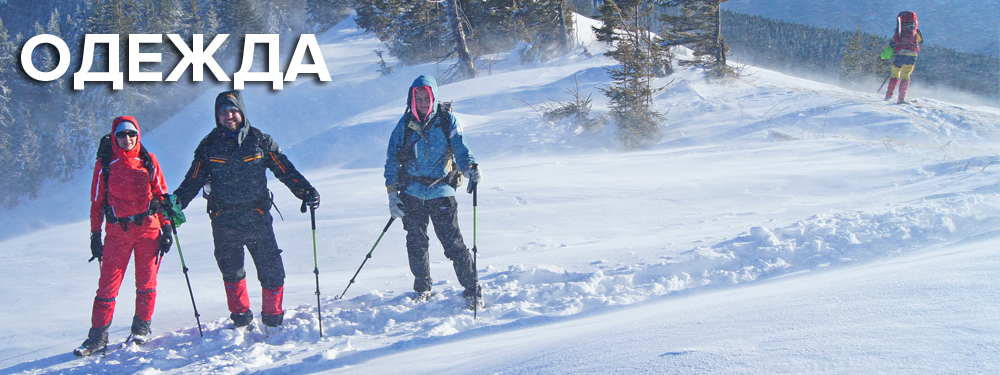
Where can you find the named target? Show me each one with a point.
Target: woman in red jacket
(125, 194)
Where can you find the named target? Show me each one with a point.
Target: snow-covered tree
(640, 59)
(699, 27)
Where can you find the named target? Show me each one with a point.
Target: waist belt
(109, 215)
(124, 221)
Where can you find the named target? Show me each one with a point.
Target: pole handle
(473, 185)
(312, 216)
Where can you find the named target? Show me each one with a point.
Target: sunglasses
(126, 133)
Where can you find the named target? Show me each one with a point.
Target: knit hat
(124, 126)
(226, 107)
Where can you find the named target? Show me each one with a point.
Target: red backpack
(907, 35)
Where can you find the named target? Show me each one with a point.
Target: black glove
(165, 206)
(311, 198)
(166, 240)
(96, 247)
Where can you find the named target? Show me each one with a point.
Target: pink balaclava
(421, 113)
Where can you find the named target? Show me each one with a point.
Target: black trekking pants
(250, 227)
(443, 212)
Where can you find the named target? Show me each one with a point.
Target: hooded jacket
(236, 167)
(128, 190)
(430, 148)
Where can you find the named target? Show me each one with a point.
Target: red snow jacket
(129, 189)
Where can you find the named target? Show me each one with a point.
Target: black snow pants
(250, 227)
(443, 212)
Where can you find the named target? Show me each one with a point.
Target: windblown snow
(779, 225)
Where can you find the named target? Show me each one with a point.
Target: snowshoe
(273, 330)
(89, 349)
(243, 320)
(139, 339)
(422, 296)
(141, 334)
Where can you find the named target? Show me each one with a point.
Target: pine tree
(324, 14)
(418, 31)
(699, 27)
(630, 94)
(546, 25)
(860, 59)
(7, 146)
(238, 18)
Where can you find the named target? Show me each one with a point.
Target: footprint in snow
(520, 201)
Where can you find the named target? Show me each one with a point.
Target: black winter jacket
(235, 168)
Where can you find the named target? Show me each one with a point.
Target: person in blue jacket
(425, 161)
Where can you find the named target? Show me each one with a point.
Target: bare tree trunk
(562, 26)
(720, 57)
(465, 64)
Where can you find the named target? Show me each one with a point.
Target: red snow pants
(118, 248)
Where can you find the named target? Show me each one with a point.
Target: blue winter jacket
(430, 149)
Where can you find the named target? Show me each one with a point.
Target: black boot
(242, 319)
(473, 298)
(272, 320)
(140, 331)
(96, 342)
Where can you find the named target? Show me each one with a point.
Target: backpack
(104, 154)
(406, 153)
(907, 31)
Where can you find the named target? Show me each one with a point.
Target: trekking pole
(474, 189)
(368, 256)
(319, 310)
(883, 83)
(197, 316)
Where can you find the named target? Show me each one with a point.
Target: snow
(780, 226)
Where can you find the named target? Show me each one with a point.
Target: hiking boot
(96, 342)
(272, 320)
(140, 331)
(242, 319)
(473, 298)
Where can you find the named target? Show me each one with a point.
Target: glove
(96, 247)
(166, 240)
(474, 175)
(171, 208)
(311, 198)
(395, 205)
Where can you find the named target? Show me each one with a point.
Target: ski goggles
(126, 133)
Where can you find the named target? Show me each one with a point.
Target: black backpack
(406, 153)
(104, 154)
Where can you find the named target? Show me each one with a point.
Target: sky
(779, 226)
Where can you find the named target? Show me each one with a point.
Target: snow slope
(780, 225)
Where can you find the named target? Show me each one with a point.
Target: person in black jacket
(230, 163)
